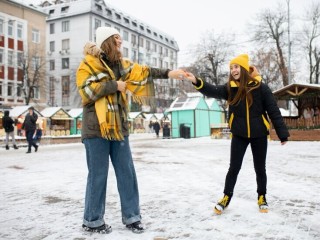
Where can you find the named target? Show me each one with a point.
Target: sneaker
(222, 204)
(104, 229)
(262, 203)
(136, 227)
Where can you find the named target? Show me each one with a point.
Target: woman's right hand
(121, 86)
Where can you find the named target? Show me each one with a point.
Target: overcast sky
(188, 20)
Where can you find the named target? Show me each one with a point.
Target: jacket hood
(6, 113)
(91, 48)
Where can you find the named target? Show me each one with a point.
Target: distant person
(156, 127)
(38, 134)
(308, 116)
(251, 104)
(30, 127)
(19, 126)
(8, 125)
(103, 78)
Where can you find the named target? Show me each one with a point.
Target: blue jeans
(98, 151)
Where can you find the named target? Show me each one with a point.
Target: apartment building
(71, 23)
(22, 55)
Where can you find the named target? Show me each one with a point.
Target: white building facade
(71, 23)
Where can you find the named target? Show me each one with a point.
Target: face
(235, 71)
(118, 41)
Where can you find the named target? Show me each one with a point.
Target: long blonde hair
(109, 47)
(246, 85)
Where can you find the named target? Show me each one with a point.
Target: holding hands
(181, 74)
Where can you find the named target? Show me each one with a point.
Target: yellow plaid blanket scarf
(92, 73)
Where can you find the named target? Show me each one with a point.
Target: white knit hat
(102, 33)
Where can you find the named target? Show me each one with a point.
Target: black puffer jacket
(249, 122)
(7, 122)
(30, 121)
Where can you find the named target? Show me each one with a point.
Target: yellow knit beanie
(242, 60)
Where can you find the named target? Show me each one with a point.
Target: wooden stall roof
(296, 90)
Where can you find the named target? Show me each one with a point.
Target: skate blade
(263, 210)
(217, 211)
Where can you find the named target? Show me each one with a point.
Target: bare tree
(33, 70)
(265, 61)
(310, 41)
(269, 32)
(212, 54)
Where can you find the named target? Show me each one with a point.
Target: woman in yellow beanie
(103, 79)
(251, 104)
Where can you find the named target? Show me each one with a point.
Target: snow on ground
(180, 180)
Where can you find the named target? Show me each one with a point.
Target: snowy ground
(180, 180)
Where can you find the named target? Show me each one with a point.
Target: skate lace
(262, 200)
(224, 201)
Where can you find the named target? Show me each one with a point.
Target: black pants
(259, 151)
(31, 142)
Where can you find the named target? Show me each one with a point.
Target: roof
(184, 103)
(133, 115)
(21, 110)
(296, 90)
(75, 112)
(149, 116)
(51, 111)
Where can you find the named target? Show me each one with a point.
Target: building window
(35, 93)
(51, 65)
(97, 23)
(51, 91)
(118, 29)
(20, 59)
(51, 28)
(10, 28)
(64, 9)
(1, 56)
(10, 90)
(1, 26)
(147, 45)
(19, 90)
(154, 47)
(19, 31)
(10, 58)
(125, 36)
(118, 16)
(98, 7)
(65, 90)
(51, 11)
(166, 52)
(125, 52)
(141, 41)
(154, 62)
(65, 63)
(65, 26)
(35, 36)
(134, 55)
(52, 46)
(35, 63)
(65, 44)
(133, 39)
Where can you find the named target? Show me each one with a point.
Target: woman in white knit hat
(103, 78)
